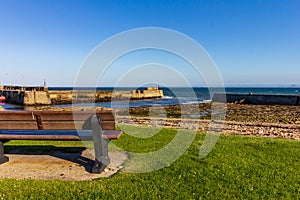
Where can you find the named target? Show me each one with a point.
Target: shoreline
(272, 121)
(283, 114)
(271, 130)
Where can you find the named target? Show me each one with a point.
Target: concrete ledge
(257, 99)
(58, 166)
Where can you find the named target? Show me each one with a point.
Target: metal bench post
(3, 158)
(100, 146)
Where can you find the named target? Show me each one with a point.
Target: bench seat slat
(71, 135)
(16, 116)
(71, 125)
(18, 125)
(106, 115)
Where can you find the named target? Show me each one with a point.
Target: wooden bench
(99, 127)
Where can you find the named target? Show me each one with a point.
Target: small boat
(2, 98)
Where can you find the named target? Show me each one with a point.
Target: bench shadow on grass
(72, 154)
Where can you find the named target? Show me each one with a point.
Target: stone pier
(78, 96)
(22, 95)
(29, 96)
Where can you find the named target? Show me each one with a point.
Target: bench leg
(3, 158)
(100, 146)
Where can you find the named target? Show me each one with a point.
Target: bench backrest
(17, 121)
(54, 120)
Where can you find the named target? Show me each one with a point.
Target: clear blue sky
(253, 42)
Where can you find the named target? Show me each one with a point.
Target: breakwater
(22, 95)
(82, 96)
(43, 96)
(257, 99)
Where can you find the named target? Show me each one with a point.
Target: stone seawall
(273, 130)
(42, 96)
(78, 96)
(27, 97)
(257, 99)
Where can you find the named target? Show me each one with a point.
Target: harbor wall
(42, 96)
(27, 97)
(257, 99)
(77, 96)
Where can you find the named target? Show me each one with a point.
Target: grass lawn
(239, 167)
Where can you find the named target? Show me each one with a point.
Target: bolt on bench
(99, 127)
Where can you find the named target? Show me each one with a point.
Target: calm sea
(178, 95)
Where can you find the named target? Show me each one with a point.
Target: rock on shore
(282, 114)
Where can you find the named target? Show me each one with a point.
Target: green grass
(237, 168)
